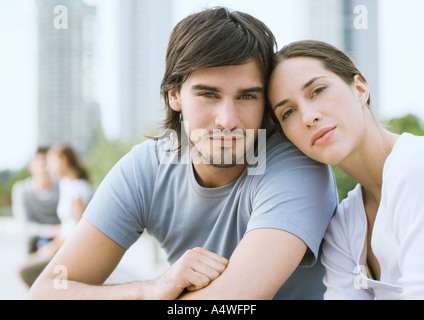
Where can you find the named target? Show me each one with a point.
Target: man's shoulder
(282, 154)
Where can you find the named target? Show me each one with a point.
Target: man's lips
(226, 140)
(322, 136)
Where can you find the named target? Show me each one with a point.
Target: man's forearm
(71, 290)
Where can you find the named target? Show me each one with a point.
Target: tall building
(351, 25)
(66, 109)
(145, 27)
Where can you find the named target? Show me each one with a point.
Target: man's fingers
(198, 267)
(209, 258)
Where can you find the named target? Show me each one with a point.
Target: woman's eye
(318, 91)
(287, 114)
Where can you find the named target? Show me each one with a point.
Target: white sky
(401, 61)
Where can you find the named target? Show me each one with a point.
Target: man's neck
(209, 176)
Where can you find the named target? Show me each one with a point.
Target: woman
(74, 194)
(75, 190)
(374, 246)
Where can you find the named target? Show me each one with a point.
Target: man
(202, 187)
(34, 202)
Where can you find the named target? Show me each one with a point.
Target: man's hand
(193, 271)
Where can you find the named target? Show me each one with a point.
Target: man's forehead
(246, 76)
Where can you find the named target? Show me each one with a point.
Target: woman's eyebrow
(310, 82)
(304, 87)
(280, 104)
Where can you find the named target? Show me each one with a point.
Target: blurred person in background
(34, 203)
(75, 191)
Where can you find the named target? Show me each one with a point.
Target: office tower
(351, 25)
(145, 27)
(66, 109)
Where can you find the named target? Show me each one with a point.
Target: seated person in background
(75, 193)
(34, 203)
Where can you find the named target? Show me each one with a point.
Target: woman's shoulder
(405, 160)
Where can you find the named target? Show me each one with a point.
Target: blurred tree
(7, 180)
(409, 123)
(344, 183)
(104, 154)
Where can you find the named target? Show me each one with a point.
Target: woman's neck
(70, 174)
(366, 163)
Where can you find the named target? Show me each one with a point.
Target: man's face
(38, 165)
(222, 109)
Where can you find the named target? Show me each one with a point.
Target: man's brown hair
(215, 37)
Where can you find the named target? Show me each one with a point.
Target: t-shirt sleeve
(297, 195)
(119, 202)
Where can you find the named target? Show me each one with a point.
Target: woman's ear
(174, 99)
(362, 89)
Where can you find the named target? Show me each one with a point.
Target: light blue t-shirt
(156, 190)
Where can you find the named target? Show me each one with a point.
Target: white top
(71, 190)
(398, 234)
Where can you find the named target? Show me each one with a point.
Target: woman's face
(317, 110)
(56, 164)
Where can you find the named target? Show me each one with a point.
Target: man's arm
(88, 258)
(259, 266)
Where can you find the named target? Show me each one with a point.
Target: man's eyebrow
(199, 87)
(250, 90)
(304, 87)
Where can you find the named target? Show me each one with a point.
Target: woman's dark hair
(332, 58)
(66, 151)
(214, 37)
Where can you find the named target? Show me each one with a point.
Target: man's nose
(227, 116)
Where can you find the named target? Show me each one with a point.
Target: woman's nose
(310, 116)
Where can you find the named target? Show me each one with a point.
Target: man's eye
(247, 97)
(209, 95)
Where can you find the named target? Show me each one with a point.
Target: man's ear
(362, 89)
(174, 99)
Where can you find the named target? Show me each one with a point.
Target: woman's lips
(322, 136)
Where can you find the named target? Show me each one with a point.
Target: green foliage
(409, 123)
(344, 183)
(104, 154)
(7, 180)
